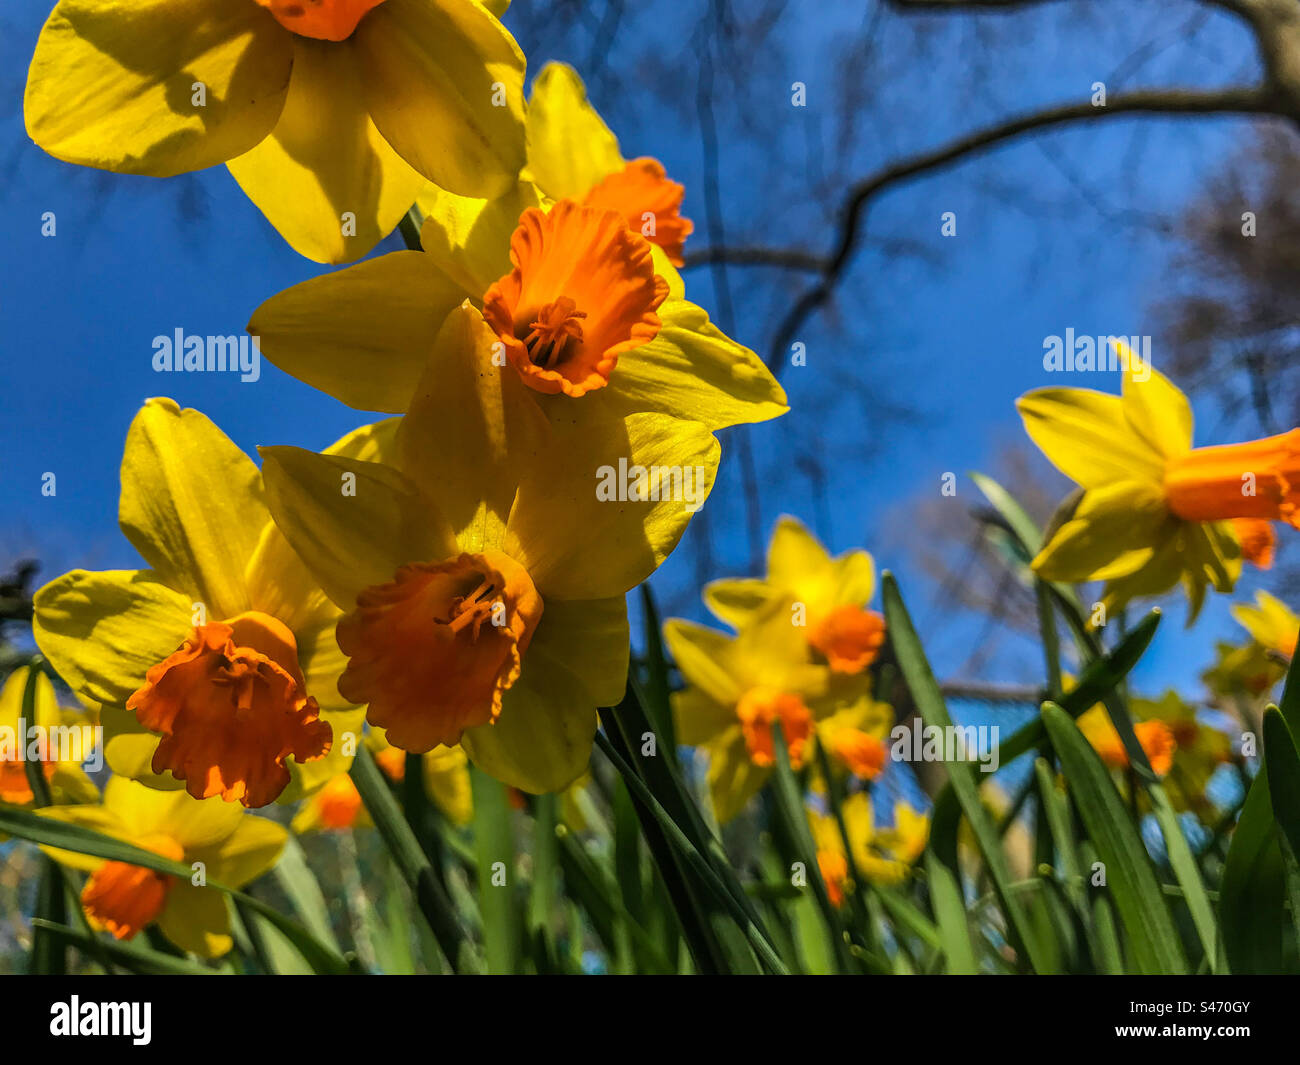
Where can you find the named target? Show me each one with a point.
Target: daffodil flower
(331, 114)
(1199, 749)
(584, 309)
(832, 595)
(737, 688)
(1253, 668)
(856, 737)
(481, 577)
(65, 741)
(1155, 736)
(1271, 624)
(1153, 509)
(883, 855)
(215, 667)
(219, 841)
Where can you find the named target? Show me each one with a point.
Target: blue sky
(955, 338)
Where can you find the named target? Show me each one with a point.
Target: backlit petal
(570, 149)
(1086, 436)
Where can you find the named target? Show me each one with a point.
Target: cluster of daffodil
(448, 583)
(799, 661)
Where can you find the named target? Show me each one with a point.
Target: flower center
(556, 324)
(863, 753)
(325, 20)
(433, 651)
(649, 202)
(123, 898)
(759, 709)
(574, 257)
(1259, 479)
(848, 637)
(231, 706)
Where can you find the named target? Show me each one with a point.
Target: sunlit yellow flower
(218, 841)
(1271, 624)
(1153, 509)
(64, 739)
(331, 114)
(883, 855)
(830, 596)
(481, 576)
(217, 666)
(737, 688)
(1199, 748)
(1253, 668)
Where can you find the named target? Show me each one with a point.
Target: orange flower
(231, 706)
(759, 709)
(848, 637)
(642, 188)
(339, 802)
(1259, 479)
(123, 898)
(433, 650)
(834, 868)
(1156, 738)
(862, 752)
(582, 292)
(325, 20)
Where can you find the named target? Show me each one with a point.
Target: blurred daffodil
(856, 737)
(332, 114)
(59, 739)
(219, 841)
(1154, 510)
(1253, 668)
(215, 667)
(488, 525)
(829, 595)
(1271, 624)
(1199, 748)
(1156, 737)
(737, 688)
(883, 855)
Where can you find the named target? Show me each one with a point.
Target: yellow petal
(570, 149)
(591, 637)
(706, 658)
(698, 718)
(1113, 532)
(280, 585)
(322, 662)
(193, 823)
(733, 778)
(797, 562)
(472, 426)
(1159, 413)
(70, 784)
(306, 779)
(196, 919)
(92, 816)
(371, 443)
(446, 775)
(575, 526)
(542, 740)
(325, 177)
(1086, 436)
(11, 700)
(113, 83)
(250, 850)
(736, 600)
(130, 755)
(102, 632)
(469, 238)
(362, 334)
(191, 505)
(693, 370)
(445, 85)
(352, 523)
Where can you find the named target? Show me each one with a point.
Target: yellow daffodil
(737, 687)
(331, 114)
(883, 855)
(1156, 737)
(1153, 509)
(217, 666)
(488, 525)
(832, 593)
(220, 842)
(1271, 624)
(1199, 748)
(583, 308)
(61, 740)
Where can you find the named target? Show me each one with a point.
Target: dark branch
(1163, 102)
(780, 258)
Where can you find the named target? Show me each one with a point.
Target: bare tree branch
(1250, 101)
